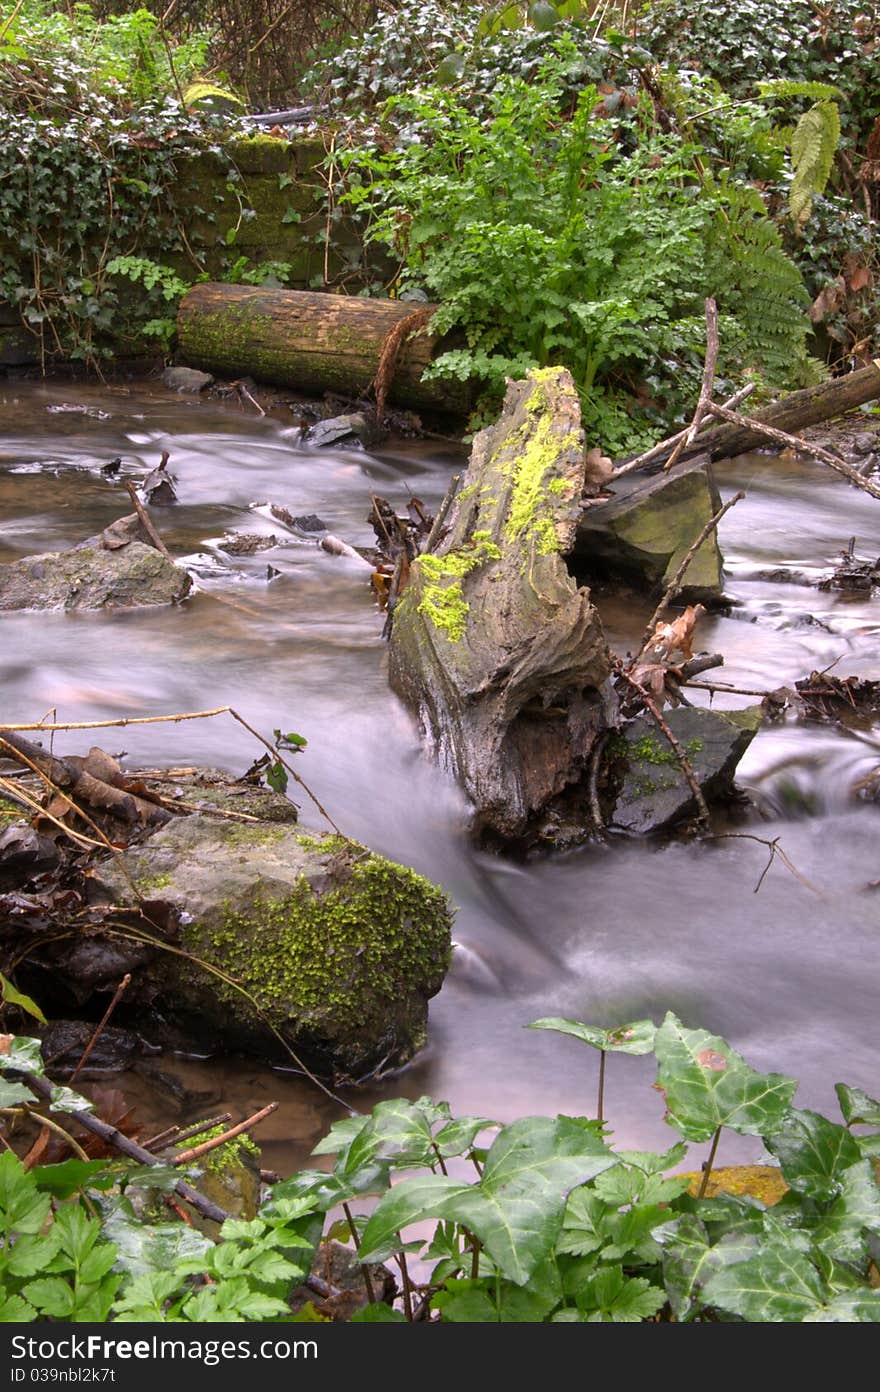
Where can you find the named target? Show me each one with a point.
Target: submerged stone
(643, 533)
(89, 577)
(333, 948)
(186, 379)
(655, 793)
(340, 428)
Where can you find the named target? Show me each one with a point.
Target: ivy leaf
(840, 1231)
(405, 1203)
(813, 1153)
(781, 1285)
(147, 1248)
(635, 1038)
(458, 1136)
(25, 1053)
(857, 1107)
(707, 1085)
(11, 1094)
(380, 1313)
(689, 1259)
(340, 1135)
(68, 1177)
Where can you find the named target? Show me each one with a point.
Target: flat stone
(866, 442)
(88, 577)
(655, 793)
(643, 533)
(338, 428)
(186, 379)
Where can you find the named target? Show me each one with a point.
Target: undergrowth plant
(538, 1220)
(579, 240)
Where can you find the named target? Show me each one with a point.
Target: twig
(656, 451)
(675, 746)
(726, 687)
(243, 391)
(442, 511)
(174, 1136)
(674, 586)
(30, 802)
(117, 996)
(356, 1239)
(186, 1156)
(593, 782)
(775, 850)
(706, 386)
(802, 446)
(147, 525)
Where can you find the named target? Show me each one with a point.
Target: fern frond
(813, 147)
(785, 87)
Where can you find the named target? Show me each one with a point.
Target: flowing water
(789, 974)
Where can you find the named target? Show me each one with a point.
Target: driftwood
(96, 781)
(493, 643)
(313, 342)
(791, 413)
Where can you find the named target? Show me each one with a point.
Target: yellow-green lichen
(531, 486)
(443, 603)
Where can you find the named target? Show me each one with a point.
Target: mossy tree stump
(493, 644)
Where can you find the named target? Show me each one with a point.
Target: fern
(813, 142)
(758, 284)
(813, 147)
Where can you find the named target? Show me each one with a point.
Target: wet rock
(248, 543)
(339, 950)
(186, 379)
(493, 644)
(24, 852)
(65, 1042)
(866, 442)
(654, 793)
(643, 533)
(309, 522)
(89, 577)
(339, 428)
(340, 1268)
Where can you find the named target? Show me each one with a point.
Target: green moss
(648, 749)
(147, 883)
(531, 486)
(443, 602)
(246, 834)
(234, 1152)
(344, 957)
(10, 811)
(330, 843)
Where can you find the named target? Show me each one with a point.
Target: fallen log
(493, 644)
(791, 413)
(309, 341)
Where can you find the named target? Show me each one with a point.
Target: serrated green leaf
(14, 1309)
(580, 1233)
(32, 1253)
(97, 1263)
(51, 1296)
(610, 1297)
(708, 1085)
(466, 1302)
(22, 1208)
(857, 1107)
(144, 1298)
(813, 1153)
(634, 1038)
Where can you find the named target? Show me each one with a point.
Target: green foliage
(556, 1225)
(91, 142)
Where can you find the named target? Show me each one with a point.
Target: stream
(607, 933)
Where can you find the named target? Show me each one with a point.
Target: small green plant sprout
(10, 995)
(276, 773)
(635, 1038)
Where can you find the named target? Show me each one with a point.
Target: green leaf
(581, 1223)
(24, 1053)
(97, 1263)
(10, 995)
(857, 1107)
(840, 1230)
(707, 1085)
(340, 1135)
(22, 1208)
(635, 1038)
(11, 1094)
(68, 1177)
(14, 1309)
(405, 1203)
(610, 1297)
(689, 1259)
(813, 1153)
(32, 1253)
(466, 1302)
(458, 1136)
(52, 1296)
(380, 1313)
(780, 1285)
(449, 70)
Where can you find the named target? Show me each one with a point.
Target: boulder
(643, 533)
(88, 577)
(493, 644)
(653, 791)
(335, 950)
(186, 379)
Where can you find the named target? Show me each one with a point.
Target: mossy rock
(653, 791)
(88, 577)
(644, 532)
(765, 1183)
(292, 939)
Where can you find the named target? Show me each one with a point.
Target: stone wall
(277, 213)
